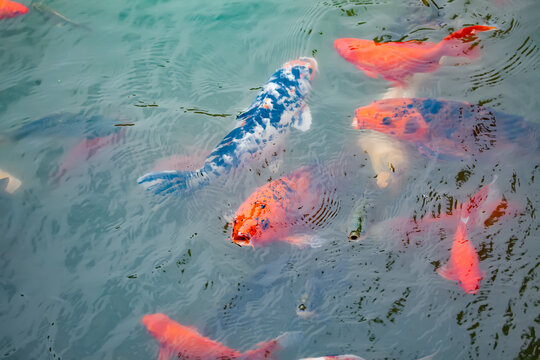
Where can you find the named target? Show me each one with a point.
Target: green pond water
(85, 252)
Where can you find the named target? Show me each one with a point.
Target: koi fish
(11, 9)
(447, 127)
(8, 182)
(282, 210)
(85, 150)
(64, 125)
(463, 266)
(387, 156)
(186, 342)
(59, 18)
(280, 105)
(397, 61)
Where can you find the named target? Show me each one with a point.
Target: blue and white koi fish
(279, 106)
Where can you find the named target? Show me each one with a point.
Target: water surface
(84, 257)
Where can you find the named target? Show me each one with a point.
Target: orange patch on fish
(387, 116)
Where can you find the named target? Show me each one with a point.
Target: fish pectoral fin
(482, 275)
(164, 353)
(447, 272)
(302, 120)
(305, 240)
(298, 240)
(371, 74)
(382, 179)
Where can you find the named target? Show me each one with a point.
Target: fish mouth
(307, 62)
(354, 235)
(344, 48)
(312, 62)
(241, 240)
(359, 122)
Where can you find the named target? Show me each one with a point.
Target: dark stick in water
(48, 12)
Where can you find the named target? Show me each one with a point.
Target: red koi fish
(282, 210)
(85, 150)
(11, 9)
(185, 342)
(463, 266)
(397, 61)
(446, 127)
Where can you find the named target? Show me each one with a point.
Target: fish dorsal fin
(302, 120)
(447, 272)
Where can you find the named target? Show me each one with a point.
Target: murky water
(86, 252)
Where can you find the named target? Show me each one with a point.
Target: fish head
(15, 9)
(394, 117)
(156, 324)
(305, 66)
(349, 48)
(249, 223)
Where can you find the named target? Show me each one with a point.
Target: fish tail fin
(170, 181)
(266, 350)
(462, 42)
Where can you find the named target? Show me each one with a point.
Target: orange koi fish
(444, 126)
(282, 210)
(11, 9)
(463, 264)
(397, 61)
(185, 342)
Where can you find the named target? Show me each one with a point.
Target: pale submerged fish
(59, 18)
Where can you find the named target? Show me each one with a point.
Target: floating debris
(56, 16)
